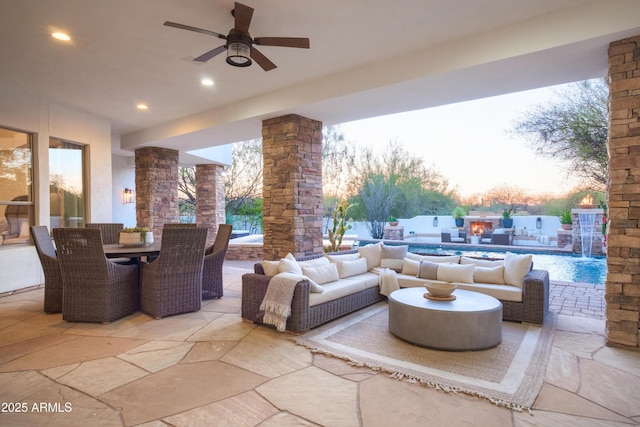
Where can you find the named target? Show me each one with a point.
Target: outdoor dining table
(135, 252)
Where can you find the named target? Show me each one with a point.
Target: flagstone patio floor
(211, 368)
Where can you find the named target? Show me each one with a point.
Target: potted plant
(458, 215)
(135, 236)
(565, 219)
(393, 221)
(507, 221)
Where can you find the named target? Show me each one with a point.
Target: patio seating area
(210, 367)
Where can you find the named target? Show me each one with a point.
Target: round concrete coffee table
(473, 321)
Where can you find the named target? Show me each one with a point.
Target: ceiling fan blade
(195, 29)
(300, 42)
(243, 15)
(262, 60)
(207, 56)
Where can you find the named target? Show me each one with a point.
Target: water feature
(587, 225)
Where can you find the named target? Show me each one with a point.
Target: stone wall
(210, 203)
(156, 188)
(623, 254)
(292, 186)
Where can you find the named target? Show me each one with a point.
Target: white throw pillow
(322, 274)
(410, 267)
(289, 264)
(271, 268)
(351, 268)
(454, 233)
(372, 254)
(516, 267)
(493, 275)
(455, 273)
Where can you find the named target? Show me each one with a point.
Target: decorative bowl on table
(440, 290)
(131, 237)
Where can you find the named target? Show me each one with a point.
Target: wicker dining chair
(95, 289)
(212, 283)
(109, 231)
(172, 283)
(51, 267)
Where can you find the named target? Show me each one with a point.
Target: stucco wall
(45, 119)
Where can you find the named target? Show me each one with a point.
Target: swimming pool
(561, 267)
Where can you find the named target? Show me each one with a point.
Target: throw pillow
(454, 233)
(289, 264)
(322, 274)
(516, 267)
(428, 270)
(410, 267)
(455, 273)
(493, 275)
(393, 264)
(351, 268)
(271, 268)
(372, 254)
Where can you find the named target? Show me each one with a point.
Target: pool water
(561, 267)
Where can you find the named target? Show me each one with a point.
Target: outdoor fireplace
(479, 227)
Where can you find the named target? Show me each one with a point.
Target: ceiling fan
(240, 46)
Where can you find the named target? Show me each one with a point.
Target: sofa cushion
(351, 268)
(481, 262)
(316, 262)
(455, 273)
(493, 275)
(407, 281)
(501, 292)
(428, 270)
(338, 289)
(516, 267)
(434, 258)
(371, 253)
(322, 274)
(342, 257)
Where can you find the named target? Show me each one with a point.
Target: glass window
(16, 204)
(66, 184)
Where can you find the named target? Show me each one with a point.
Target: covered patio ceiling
(366, 59)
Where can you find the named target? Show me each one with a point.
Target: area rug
(510, 374)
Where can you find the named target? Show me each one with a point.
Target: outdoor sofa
(356, 286)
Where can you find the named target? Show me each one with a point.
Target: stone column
(156, 188)
(210, 204)
(292, 186)
(622, 291)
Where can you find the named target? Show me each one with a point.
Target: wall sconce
(538, 223)
(128, 195)
(435, 221)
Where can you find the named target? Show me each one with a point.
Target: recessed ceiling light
(61, 36)
(142, 107)
(206, 82)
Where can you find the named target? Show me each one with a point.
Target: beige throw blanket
(387, 280)
(276, 303)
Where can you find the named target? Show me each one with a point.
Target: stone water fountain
(587, 228)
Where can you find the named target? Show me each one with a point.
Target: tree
(243, 178)
(508, 197)
(378, 195)
(573, 130)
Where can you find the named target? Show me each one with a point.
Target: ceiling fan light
(239, 54)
